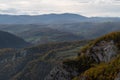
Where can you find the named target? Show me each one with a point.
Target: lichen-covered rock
(118, 76)
(103, 51)
(61, 73)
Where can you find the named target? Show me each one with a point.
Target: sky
(90, 8)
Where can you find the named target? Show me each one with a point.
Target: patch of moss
(115, 36)
(79, 64)
(103, 71)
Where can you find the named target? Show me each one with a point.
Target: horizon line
(9, 14)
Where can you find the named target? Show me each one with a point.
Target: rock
(61, 73)
(118, 76)
(103, 51)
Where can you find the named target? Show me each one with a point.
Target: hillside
(89, 30)
(99, 60)
(41, 34)
(8, 40)
(34, 63)
(44, 33)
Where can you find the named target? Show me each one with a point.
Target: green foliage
(115, 36)
(104, 71)
(86, 47)
(79, 63)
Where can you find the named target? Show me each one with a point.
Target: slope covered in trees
(44, 33)
(8, 40)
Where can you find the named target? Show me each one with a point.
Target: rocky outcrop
(118, 76)
(103, 51)
(12, 55)
(61, 73)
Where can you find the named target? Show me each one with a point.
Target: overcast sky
(83, 7)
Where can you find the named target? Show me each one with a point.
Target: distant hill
(88, 30)
(52, 19)
(44, 33)
(8, 40)
(45, 19)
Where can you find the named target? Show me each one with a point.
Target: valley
(59, 47)
(45, 33)
(35, 62)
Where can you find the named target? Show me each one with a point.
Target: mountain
(98, 60)
(89, 30)
(53, 19)
(45, 33)
(40, 34)
(38, 19)
(8, 40)
(34, 63)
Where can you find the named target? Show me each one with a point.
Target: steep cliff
(99, 60)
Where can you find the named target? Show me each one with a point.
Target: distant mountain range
(59, 47)
(42, 29)
(52, 19)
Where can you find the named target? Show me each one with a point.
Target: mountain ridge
(99, 60)
(52, 19)
(45, 18)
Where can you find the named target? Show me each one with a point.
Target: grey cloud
(84, 7)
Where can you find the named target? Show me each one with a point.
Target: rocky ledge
(104, 51)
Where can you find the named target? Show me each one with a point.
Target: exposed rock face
(10, 63)
(103, 51)
(118, 76)
(61, 73)
(12, 56)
